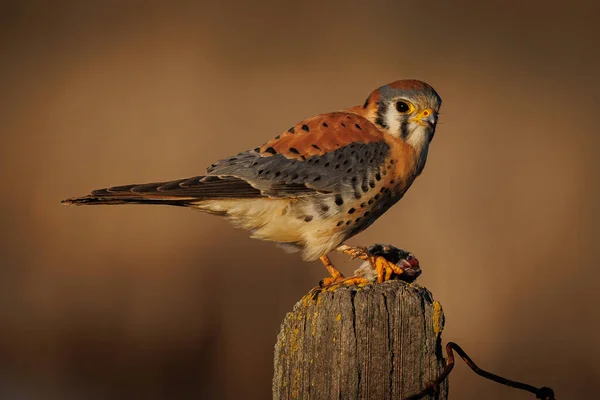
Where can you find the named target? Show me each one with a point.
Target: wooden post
(378, 341)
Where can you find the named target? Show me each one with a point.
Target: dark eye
(402, 107)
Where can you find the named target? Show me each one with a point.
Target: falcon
(317, 184)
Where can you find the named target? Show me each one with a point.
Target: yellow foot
(385, 261)
(351, 281)
(336, 276)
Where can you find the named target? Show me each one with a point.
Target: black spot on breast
(357, 195)
(382, 190)
(340, 223)
(294, 177)
(377, 196)
(318, 178)
(308, 218)
(347, 116)
(277, 173)
(392, 161)
(337, 166)
(316, 147)
(378, 176)
(338, 200)
(302, 158)
(271, 150)
(364, 187)
(392, 181)
(366, 102)
(257, 149)
(354, 179)
(372, 184)
(366, 214)
(358, 219)
(324, 208)
(371, 201)
(362, 205)
(343, 124)
(305, 128)
(349, 170)
(260, 171)
(326, 164)
(351, 211)
(325, 124)
(294, 150)
(348, 222)
(277, 137)
(345, 162)
(358, 127)
(292, 130)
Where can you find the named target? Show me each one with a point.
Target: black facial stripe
(381, 111)
(404, 128)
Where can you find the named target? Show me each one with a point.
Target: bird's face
(406, 109)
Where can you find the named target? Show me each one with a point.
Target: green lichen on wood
(374, 341)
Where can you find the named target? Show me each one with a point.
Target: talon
(351, 281)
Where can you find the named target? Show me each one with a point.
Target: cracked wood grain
(379, 341)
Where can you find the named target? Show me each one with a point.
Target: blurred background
(158, 302)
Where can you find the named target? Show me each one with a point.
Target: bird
(317, 184)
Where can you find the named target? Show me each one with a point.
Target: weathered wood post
(377, 341)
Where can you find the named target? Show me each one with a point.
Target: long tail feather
(181, 192)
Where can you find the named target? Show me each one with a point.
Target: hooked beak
(427, 117)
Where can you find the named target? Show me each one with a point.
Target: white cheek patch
(392, 120)
(418, 137)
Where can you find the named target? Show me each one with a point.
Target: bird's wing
(323, 154)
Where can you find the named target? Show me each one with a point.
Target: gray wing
(355, 165)
(254, 175)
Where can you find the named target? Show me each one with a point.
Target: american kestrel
(317, 184)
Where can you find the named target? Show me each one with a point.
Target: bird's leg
(385, 261)
(382, 267)
(336, 276)
(354, 252)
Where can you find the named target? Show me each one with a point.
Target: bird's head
(407, 109)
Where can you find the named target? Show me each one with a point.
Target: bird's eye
(402, 107)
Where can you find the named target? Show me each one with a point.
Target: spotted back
(322, 134)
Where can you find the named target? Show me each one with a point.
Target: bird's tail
(129, 194)
(181, 192)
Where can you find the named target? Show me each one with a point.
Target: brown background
(157, 303)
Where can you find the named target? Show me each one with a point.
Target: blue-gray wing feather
(353, 165)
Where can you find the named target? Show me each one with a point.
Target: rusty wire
(544, 393)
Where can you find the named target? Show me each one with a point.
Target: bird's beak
(427, 117)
